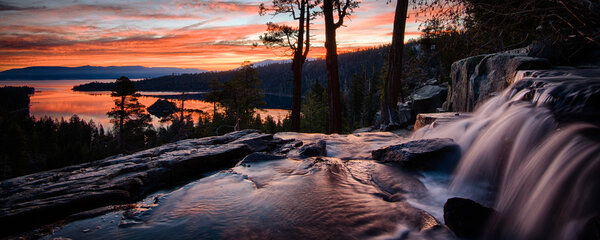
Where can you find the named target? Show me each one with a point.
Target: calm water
(55, 98)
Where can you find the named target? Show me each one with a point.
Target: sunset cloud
(212, 35)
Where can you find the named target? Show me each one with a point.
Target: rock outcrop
(440, 154)
(429, 98)
(466, 218)
(40, 198)
(477, 78)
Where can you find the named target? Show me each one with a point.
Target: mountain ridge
(91, 72)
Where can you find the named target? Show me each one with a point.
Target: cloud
(8, 7)
(213, 35)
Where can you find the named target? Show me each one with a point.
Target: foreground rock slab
(30, 201)
(440, 154)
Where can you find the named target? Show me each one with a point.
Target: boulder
(466, 218)
(314, 149)
(428, 98)
(439, 154)
(425, 119)
(475, 79)
(32, 200)
(591, 229)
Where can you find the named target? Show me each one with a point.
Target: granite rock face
(476, 79)
(40, 198)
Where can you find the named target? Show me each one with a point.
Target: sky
(210, 35)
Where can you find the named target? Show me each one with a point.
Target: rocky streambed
(294, 186)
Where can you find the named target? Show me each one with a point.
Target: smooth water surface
(54, 98)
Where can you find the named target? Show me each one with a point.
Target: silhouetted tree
(128, 114)
(341, 8)
(392, 84)
(240, 96)
(485, 26)
(295, 38)
(314, 109)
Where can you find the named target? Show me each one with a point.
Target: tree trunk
(331, 61)
(297, 63)
(121, 123)
(393, 82)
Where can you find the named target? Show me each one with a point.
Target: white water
(541, 174)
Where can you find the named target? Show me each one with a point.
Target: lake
(54, 98)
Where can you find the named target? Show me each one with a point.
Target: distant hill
(276, 76)
(91, 72)
(270, 61)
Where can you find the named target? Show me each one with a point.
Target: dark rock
(591, 229)
(259, 157)
(425, 154)
(258, 142)
(314, 149)
(428, 98)
(466, 218)
(292, 144)
(475, 79)
(40, 198)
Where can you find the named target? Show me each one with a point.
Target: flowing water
(525, 154)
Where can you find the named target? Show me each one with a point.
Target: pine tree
(128, 115)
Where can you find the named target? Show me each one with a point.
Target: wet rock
(440, 154)
(591, 229)
(428, 98)
(425, 119)
(465, 217)
(36, 199)
(314, 149)
(292, 144)
(257, 142)
(259, 157)
(476, 79)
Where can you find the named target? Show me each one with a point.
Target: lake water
(54, 98)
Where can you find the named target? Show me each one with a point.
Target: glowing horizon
(209, 35)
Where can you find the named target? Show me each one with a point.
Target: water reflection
(54, 98)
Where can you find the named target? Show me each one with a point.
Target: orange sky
(210, 35)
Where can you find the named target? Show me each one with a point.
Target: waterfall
(533, 153)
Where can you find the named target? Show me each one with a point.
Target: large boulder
(466, 218)
(439, 154)
(429, 98)
(478, 78)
